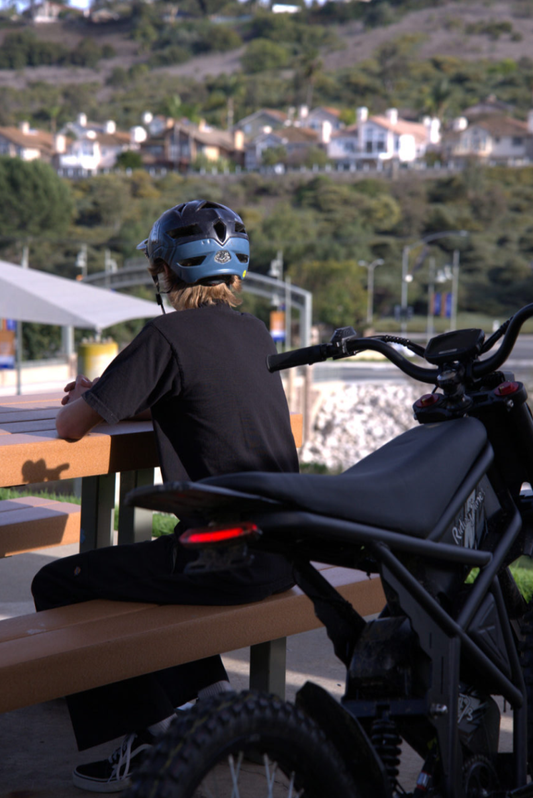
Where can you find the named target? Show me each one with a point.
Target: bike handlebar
(298, 357)
(513, 325)
(352, 345)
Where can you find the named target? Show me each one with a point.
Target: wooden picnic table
(31, 452)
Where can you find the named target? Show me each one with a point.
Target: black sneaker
(113, 774)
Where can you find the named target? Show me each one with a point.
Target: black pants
(148, 572)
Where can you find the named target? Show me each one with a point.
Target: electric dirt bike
(440, 513)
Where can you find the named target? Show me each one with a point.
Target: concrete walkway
(38, 752)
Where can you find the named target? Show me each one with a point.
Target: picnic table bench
(58, 652)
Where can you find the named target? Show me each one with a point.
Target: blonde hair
(184, 296)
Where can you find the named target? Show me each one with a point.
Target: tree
(262, 54)
(33, 199)
(129, 159)
(274, 155)
(105, 199)
(338, 295)
(309, 65)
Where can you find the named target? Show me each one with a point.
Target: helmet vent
(192, 261)
(186, 232)
(220, 229)
(242, 258)
(239, 227)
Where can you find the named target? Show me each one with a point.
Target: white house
(48, 11)
(492, 137)
(92, 146)
(384, 138)
(344, 146)
(25, 143)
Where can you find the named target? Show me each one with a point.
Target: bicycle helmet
(202, 242)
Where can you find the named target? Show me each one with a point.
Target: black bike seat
(405, 485)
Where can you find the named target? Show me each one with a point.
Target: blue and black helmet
(201, 241)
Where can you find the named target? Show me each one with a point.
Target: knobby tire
(243, 745)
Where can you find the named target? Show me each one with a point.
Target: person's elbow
(67, 428)
(76, 419)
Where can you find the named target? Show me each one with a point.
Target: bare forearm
(76, 419)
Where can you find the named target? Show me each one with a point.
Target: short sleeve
(145, 372)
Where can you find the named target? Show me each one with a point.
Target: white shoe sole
(95, 785)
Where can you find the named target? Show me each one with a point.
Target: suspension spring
(387, 742)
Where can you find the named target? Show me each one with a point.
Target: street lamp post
(455, 289)
(408, 278)
(431, 296)
(370, 267)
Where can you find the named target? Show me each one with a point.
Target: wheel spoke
(235, 773)
(270, 777)
(291, 787)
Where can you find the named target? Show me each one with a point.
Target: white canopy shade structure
(36, 296)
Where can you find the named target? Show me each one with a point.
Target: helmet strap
(158, 296)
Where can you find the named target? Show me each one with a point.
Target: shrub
(262, 54)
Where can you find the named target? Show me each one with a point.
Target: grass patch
(522, 571)
(524, 580)
(17, 493)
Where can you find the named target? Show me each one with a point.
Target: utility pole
(110, 266)
(455, 289)
(431, 297)
(81, 262)
(25, 264)
(370, 267)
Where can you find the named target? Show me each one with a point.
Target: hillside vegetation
(418, 55)
(323, 226)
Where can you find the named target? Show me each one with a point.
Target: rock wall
(355, 420)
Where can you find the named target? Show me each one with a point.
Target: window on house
(518, 141)
(479, 141)
(380, 144)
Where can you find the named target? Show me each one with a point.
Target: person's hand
(76, 388)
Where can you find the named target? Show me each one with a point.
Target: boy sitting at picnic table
(216, 410)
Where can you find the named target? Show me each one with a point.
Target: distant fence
(382, 169)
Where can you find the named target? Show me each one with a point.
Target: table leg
(134, 523)
(97, 511)
(268, 663)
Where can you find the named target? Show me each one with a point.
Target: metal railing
(277, 291)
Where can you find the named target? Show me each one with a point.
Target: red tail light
(211, 536)
(428, 399)
(506, 388)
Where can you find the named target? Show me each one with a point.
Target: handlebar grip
(297, 357)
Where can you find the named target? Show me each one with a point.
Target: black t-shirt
(216, 409)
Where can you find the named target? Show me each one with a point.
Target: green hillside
(217, 58)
